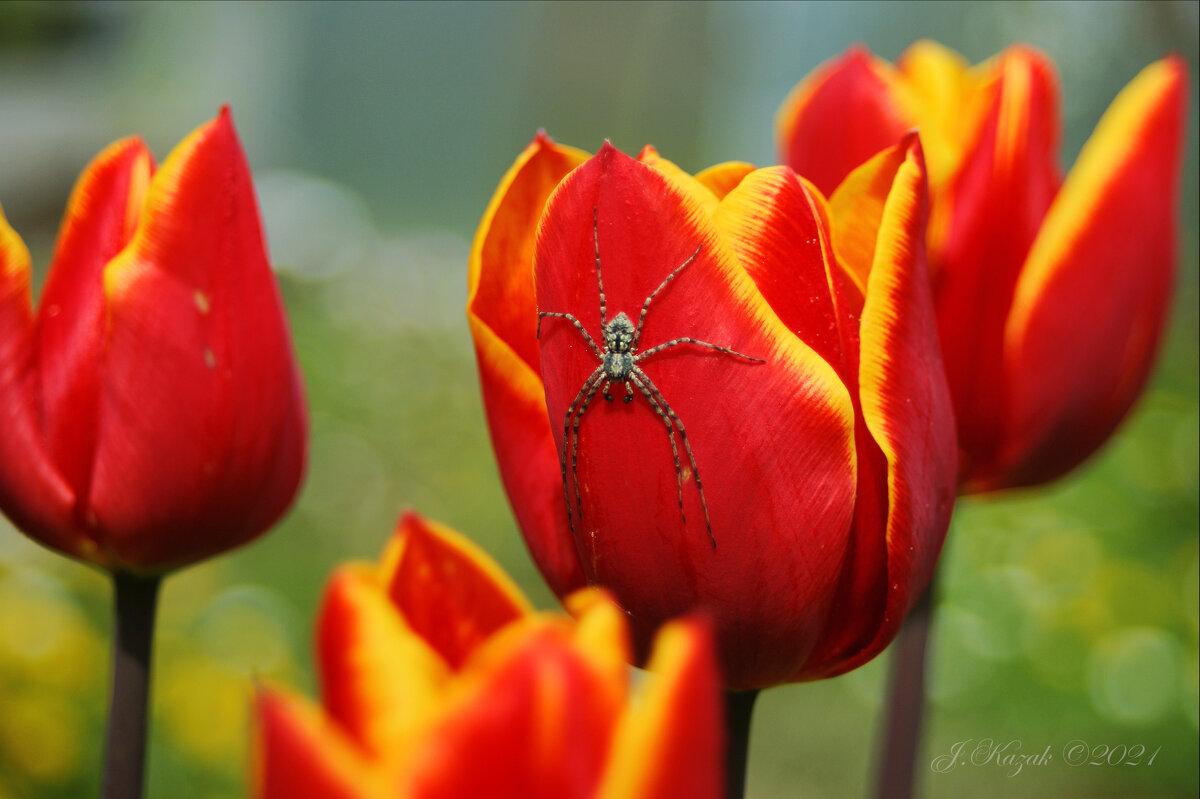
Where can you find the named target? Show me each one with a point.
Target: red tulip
(439, 682)
(1051, 296)
(784, 458)
(153, 412)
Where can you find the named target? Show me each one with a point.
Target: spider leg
(637, 333)
(599, 279)
(578, 326)
(644, 381)
(588, 385)
(594, 381)
(675, 342)
(654, 403)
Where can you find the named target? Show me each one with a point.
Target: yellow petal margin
(721, 179)
(670, 744)
(905, 399)
(16, 300)
(301, 754)
(502, 314)
(1090, 303)
(856, 209)
(379, 679)
(40, 502)
(1109, 149)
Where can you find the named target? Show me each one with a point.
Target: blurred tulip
(828, 468)
(1051, 295)
(153, 411)
(439, 682)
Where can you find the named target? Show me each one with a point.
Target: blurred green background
(377, 134)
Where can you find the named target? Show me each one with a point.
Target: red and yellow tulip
(439, 682)
(826, 448)
(1051, 295)
(153, 412)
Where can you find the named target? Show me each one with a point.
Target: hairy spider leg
(644, 381)
(591, 392)
(675, 342)
(599, 279)
(635, 380)
(637, 333)
(609, 397)
(578, 326)
(589, 385)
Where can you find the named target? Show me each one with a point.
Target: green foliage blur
(377, 133)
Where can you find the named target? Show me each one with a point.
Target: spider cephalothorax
(619, 361)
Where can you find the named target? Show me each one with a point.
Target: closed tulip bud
(720, 392)
(1051, 294)
(153, 413)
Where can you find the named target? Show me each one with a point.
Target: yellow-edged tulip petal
(1087, 310)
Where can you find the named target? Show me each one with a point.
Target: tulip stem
(135, 601)
(739, 706)
(906, 702)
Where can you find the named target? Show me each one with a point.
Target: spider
(619, 361)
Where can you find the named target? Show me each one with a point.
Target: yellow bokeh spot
(1064, 560)
(44, 637)
(39, 736)
(204, 708)
(246, 630)
(1134, 675)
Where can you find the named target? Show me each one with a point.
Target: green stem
(906, 703)
(739, 706)
(135, 599)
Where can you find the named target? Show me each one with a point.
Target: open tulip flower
(439, 682)
(778, 448)
(1051, 295)
(152, 410)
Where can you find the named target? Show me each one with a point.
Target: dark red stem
(739, 707)
(135, 599)
(906, 704)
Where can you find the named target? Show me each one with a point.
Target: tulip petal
(449, 591)
(33, 492)
(601, 632)
(843, 113)
(772, 222)
(998, 200)
(775, 220)
(856, 209)
(952, 101)
(500, 273)
(300, 755)
(906, 405)
(101, 217)
(684, 182)
(379, 680)
(669, 745)
(502, 313)
(199, 364)
(724, 178)
(534, 724)
(1090, 306)
(758, 431)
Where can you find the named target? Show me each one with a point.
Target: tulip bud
(1051, 295)
(722, 412)
(153, 411)
(439, 681)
